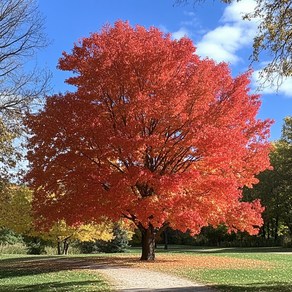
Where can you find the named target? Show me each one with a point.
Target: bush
(287, 241)
(35, 245)
(8, 237)
(88, 247)
(118, 244)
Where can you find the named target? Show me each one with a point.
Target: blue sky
(216, 30)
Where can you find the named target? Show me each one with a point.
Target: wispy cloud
(234, 33)
(283, 87)
(182, 32)
(187, 27)
(190, 13)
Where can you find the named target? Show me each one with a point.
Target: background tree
(275, 186)
(15, 209)
(284, 148)
(21, 35)
(152, 134)
(63, 235)
(16, 214)
(7, 154)
(273, 36)
(118, 243)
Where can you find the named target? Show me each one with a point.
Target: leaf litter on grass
(205, 262)
(173, 261)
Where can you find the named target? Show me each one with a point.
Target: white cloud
(224, 42)
(284, 87)
(182, 32)
(216, 52)
(236, 10)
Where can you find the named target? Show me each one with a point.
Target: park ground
(228, 269)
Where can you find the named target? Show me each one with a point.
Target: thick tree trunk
(148, 243)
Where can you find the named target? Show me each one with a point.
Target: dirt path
(127, 273)
(137, 279)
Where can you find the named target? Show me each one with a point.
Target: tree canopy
(152, 134)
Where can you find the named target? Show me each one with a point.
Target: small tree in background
(119, 242)
(16, 215)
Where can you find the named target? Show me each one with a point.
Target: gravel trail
(137, 279)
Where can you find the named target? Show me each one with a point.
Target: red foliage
(152, 133)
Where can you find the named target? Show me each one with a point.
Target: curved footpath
(137, 279)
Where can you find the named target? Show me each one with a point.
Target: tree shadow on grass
(26, 266)
(12, 269)
(175, 289)
(257, 287)
(52, 286)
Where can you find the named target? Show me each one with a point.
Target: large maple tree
(152, 133)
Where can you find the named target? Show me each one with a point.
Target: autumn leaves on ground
(225, 269)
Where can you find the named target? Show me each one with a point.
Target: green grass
(269, 271)
(276, 278)
(46, 274)
(274, 275)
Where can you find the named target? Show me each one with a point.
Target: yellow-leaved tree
(16, 214)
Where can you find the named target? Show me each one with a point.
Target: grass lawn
(46, 274)
(232, 269)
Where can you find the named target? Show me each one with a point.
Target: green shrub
(88, 247)
(35, 245)
(118, 244)
(7, 236)
(287, 241)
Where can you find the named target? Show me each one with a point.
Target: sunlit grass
(233, 269)
(39, 273)
(268, 271)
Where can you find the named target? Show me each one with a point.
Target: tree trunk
(66, 246)
(289, 227)
(276, 229)
(264, 230)
(165, 239)
(59, 247)
(148, 243)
